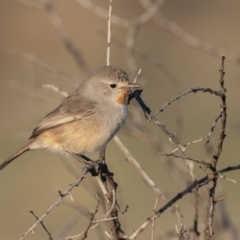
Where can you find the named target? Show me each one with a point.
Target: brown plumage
(87, 119)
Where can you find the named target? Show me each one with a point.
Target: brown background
(32, 182)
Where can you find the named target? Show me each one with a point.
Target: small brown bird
(87, 119)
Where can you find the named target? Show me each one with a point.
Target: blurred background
(178, 48)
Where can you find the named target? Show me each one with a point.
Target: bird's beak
(133, 87)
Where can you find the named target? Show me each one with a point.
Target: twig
(201, 182)
(85, 232)
(150, 12)
(137, 76)
(101, 12)
(229, 179)
(149, 182)
(191, 40)
(97, 222)
(103, 188)
(110, 237)
(192, 90)
(154, 213)
(43, 226)
(55, 204)
(180, 216)
(186, 158)
(109, 32)
(172, 137)
(208, 231)
(196, 233)
(213, 127)
(56, 89)
(104, 220)
(181, 233)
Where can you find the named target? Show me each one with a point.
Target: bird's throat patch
(123, 97)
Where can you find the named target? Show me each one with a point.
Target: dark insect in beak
(132, 88)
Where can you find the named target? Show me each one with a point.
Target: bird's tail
(15, 155)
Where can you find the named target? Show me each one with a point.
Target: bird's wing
(73, 108)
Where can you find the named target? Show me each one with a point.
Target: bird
(87, 119)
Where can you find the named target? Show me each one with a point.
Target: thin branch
(104, 220)
(201, 182)
(43, 226)
(149, 182)
(192, 90)
(213, 127)
(208, 231)
(154, 213)
(150, 12)
(196, 214)
(101, 12)
(137, 75)
(85, 232)
(172, 137)
(181, 233)
(56, 89)
(97, 222)
(55, 204)
(186, 158)
(229, 179)
(109, 32)
(190, 39)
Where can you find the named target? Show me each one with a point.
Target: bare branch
(229, 179)
(201, 182)
(43, 226)
(191, 40)
(85, 232)
(56, 89)
(208, 231)
(109, 32)
(192, 90)
(101, 12)
(149, 182)
(186, 158)
(154, 213)
(55, 204)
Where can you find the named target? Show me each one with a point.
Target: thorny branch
(200, 183)
(55, 204)
(209, 233)
(43, 226)
(211, 178)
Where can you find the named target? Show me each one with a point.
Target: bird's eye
(112, 85)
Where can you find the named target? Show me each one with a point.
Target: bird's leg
(91, 166)
(96, 168)
(102, 155)
(81, 158)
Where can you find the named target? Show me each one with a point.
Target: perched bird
(87, 119)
